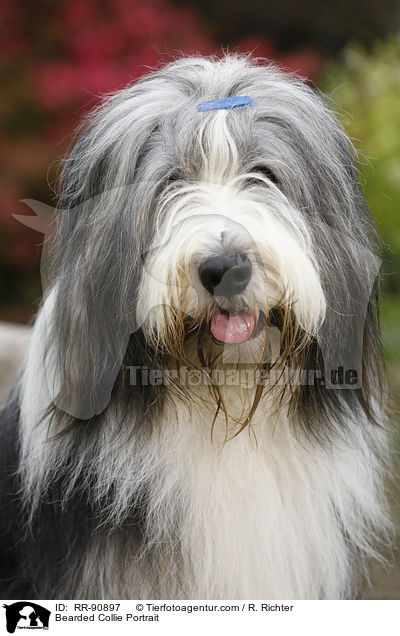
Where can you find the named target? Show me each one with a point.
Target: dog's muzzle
(228, 275)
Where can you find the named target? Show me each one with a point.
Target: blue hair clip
(225, 103)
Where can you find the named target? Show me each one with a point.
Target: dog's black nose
(225, 274)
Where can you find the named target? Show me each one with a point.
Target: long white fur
(258, 519)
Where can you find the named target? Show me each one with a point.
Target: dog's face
(229, 250)
(231, 244)
(213, 227)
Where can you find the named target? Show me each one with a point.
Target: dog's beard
(263, 359)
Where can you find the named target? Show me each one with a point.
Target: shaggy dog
(201, 411)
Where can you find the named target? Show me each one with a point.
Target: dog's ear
(94, 263)
(348, 352)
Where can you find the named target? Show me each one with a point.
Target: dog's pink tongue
(232, 328)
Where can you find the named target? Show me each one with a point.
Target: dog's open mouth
(234, 327)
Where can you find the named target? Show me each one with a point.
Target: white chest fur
(261, 519)
(282, 517)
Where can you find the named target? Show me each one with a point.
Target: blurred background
(58, 58)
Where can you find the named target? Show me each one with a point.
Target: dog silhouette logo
(26, 615)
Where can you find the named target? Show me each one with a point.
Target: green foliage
(365, 89)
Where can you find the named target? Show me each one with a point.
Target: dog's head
(229, 252)
(189, 230)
